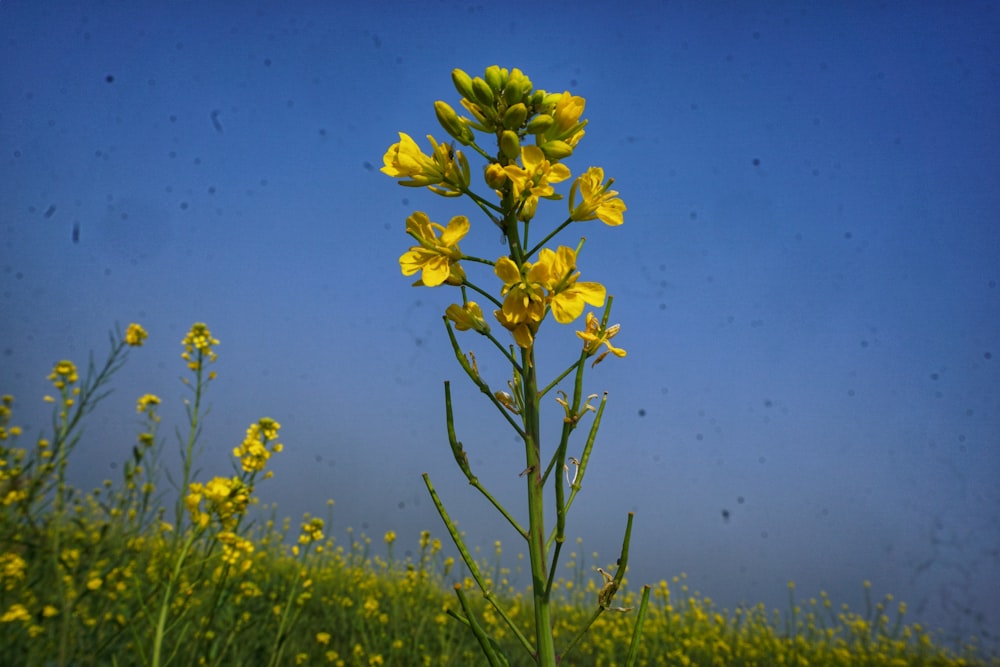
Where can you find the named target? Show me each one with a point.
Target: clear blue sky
(806, 278)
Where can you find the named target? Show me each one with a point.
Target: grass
(127, 574)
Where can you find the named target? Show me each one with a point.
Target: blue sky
(806, 278)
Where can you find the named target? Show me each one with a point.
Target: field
(154, 569)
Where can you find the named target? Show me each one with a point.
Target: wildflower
(567, 125)
(16, 612)
(597, 200)
(147, 402)
(557, 272)
(63, 374)
(536, 177)
(524, 300)
(390, 537)
(135, 335)
(323, 638)
(253, 452)
(594, 336)
(199, 339)
(437, 256)
(312, 531)
(446, 172)
(469, 316)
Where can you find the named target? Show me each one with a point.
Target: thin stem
(548, 237)
(633, 647)
(474, 568)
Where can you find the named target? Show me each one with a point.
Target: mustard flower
(446, 172)
(323, 638)
(390, 537)
(557, 272)
(135, 335)
(469, 316)
(253, 452)
(534, 179)
(437, 256)
(567, 125)
(597, 200)
(593, 337)
(64, 373)
(147, 402)
(524, 300)
(199, 339)
(312, 531)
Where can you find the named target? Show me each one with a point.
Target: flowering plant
(534, 131)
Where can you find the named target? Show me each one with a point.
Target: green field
(183, 571)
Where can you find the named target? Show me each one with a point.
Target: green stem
(474, 568)
(633, 647)
(538, 246)
(536, 513)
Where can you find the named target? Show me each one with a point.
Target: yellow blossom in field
(469, 316)
(199, 340)
(253, 452)
(94, 583)
(16, 612)
(147, 402)
(13, 568)
(556, 270)
(437, 256)
(593, 337)
(535, 178)
(312, 531)
(390, 537)
(445, 172)
(323, 637)
(135, 335)
(524, 300)
(567, 126)
(597, 200)
(63, 374)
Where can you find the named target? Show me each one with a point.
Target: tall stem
(536, 513)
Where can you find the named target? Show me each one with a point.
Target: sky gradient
(806, 278)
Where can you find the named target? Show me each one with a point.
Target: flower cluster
(226, 499)
(135, 335)
(198, 345)
(254, 452)
(535, 131)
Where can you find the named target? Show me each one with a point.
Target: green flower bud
(452, 124)
(496, 77)
(483, 93)
(537, 98)
(556, 150)
(514, 117)
(540, 123)
(463, 83)
(510, 145)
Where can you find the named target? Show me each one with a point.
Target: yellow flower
(390, 537)
(437, 256)
(597, 199)
(524, 300)
(63, 373)
(146, 402)
(135, 334)
(557, 272)
(567, 126)
(446, 172)
(323, 637)
(535, 178)
(469, 316)
(593, 337)
(16, 612)
(198, 339)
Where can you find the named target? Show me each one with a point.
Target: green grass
(138, 573)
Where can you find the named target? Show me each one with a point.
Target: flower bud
(496, 77)
(463, 83)
(540, 123)
(515, 116)
(483, 93)
(452, 124)
(556, 150)
(510, 145)
(495, 176)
